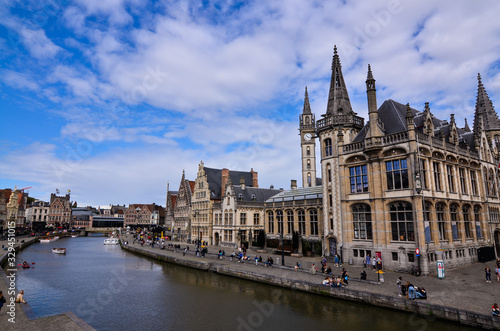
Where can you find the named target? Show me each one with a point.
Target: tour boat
(59, 250)
(111, 241)
(48, 240)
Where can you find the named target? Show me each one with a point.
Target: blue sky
(112, 99)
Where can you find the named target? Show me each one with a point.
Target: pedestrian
(497, 272)
(495, 311)
(487, 271)
(2, 300)
(313, 269)
(364, 263)
(374, 264)
(336, 260)
(344, 276)
(20, 297)
(399, 282)
(367, 260)
(411, 291)
(256, 260)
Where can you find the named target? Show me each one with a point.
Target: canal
(115, 290)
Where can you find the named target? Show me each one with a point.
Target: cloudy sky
(112, 99)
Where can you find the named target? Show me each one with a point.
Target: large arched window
(402, 221)
(313, 217)
(427, 220)
(270, 221)
(362, 220)
(279, 219)
(441, 223)
(477, 220)
(289, 221)
(301, 215)
(455, 224)
(467, 223)
(328, 146)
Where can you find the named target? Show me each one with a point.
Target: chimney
(293, 185)
(225, 176)
(255, 178)
(242, 182)
(272, 187)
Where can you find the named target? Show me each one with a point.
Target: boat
(74, 236)
(59, 250)
(111, 241)
(48, 240)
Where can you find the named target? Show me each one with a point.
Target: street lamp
(282, 248)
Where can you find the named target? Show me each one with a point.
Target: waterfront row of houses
(406, 187)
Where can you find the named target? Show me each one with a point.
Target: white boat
(59, 250)
(48, 240)
(111, 241)
(74, 236)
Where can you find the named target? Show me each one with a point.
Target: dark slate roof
(81, 211)
(40, 204)
(261, 194)
(214, 177)
(392, 114)
(298, 194)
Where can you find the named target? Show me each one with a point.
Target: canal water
(113, 289)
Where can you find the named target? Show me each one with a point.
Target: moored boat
(74, 236)
(48, 240)
(59, 250)
(111, 241)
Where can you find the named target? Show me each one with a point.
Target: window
(355, 252)
(313, 216)
(473, 182)
(437, 176)
(328, 147)
(309, 179)
(358, 179)
(230, 218)
(394, 256)
(289, 218)
(330, 199)
(256, 219)
(455, 225)
(477, 220)
(427, 219)
(451, 179)
(461, 174)
(397, 174)
(279, 218)
(362, 221)
(423, 171)
(226, 218)
(361, 253)
(302, 222)
(466, 211)
(411, 257)
(308, 164)
(308, 151)
(402, 222)
(243, 218)
(329, 171)
(270, 221)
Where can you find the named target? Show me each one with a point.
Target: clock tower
(308, 144)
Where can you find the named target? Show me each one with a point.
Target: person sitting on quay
(326, 281)
(337, 282)
(328, 270)
(363, 275)
(344, 276)
(256, 260)
(495, 310)
(297, 266)
(313, 269)
(20, 297)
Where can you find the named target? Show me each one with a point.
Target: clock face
(307, 136)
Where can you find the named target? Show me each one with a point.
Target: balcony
(337, 120)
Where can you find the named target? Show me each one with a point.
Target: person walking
(487, 272)
(497, 272)
(411, 291)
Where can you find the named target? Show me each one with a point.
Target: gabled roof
(253, 194)
(214, 178)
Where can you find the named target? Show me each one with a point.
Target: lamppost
(282, 247)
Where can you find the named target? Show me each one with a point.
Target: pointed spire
(466, 127)
(307, 106)
(484, 109)
(338, 98)
(370, 75)
(409, 118)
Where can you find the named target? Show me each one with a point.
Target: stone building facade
(60, 210)
(178, 210)
(407, 181)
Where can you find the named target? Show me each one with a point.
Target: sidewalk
(25, 318)
(464, 288)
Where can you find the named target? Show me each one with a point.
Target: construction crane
(26, 188)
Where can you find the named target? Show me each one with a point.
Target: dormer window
(240, 196)
(253, 197)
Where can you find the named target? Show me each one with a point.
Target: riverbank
(470, 306)
(21, 314)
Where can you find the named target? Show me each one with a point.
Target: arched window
(313, 217)
(427, 220)
(302, 221)
(440, 210)
(362, 220)
(308, 151)
(467, 223)
(270, 221)
(309, 179)
(328, 146)
(308, 164)
(455, 224)
(289, 219)
(279, 218)
(477, 220)
(402, 221)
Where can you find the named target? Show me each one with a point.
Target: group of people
(410, 291)
(334, 281)
(487, 272)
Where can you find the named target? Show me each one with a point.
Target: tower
(308, 144)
